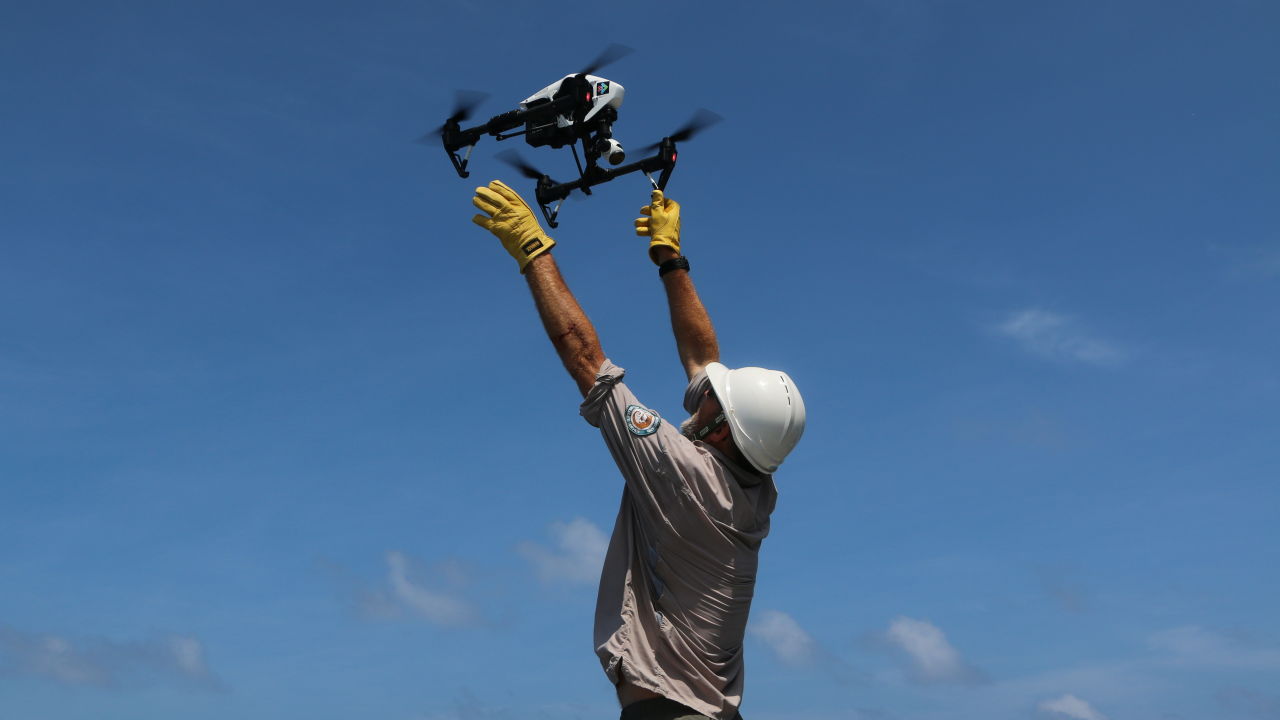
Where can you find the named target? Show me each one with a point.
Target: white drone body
(604, 93)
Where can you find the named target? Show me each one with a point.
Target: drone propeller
(611, 54)
(515, 160)
(465, 102)
(701, 120)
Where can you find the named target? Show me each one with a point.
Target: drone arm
(663, 162)
(456, 138)
(512, 119)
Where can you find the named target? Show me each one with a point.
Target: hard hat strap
(713, 426)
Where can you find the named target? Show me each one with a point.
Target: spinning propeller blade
(611, 54)
(465, 102)
(513, 158)
(701, 120)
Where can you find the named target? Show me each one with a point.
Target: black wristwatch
(676, 263)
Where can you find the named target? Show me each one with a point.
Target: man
(680, 571)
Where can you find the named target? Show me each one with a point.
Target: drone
(578, 109)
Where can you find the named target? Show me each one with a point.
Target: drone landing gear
(549, 213)
(455, 139)
(460, 163)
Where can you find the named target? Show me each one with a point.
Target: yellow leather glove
(509, 217)
(661, 224)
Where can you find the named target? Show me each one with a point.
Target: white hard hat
(764, 410)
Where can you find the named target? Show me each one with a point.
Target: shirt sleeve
(655, 459)
(600, 394)
(626, 423)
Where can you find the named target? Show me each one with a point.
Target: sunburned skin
(561, 341)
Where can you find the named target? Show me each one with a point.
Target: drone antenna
(652, 181)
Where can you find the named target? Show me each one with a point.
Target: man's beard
(688, 429)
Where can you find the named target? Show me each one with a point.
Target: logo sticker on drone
(602, 88)
(642, 421)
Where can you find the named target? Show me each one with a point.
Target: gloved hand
(661, 224)
(509, 217)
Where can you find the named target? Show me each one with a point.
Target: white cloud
(1070, 706)
(932, 659)
(1192, 645)
(577, 556)
(1058, 337)
(784, 636)
(438, 607)
(1146, 684)
(102, 662)
(1151, 683)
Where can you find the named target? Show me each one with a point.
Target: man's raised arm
(695, 337)
(508, 216)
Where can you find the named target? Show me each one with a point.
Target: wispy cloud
(442, 607)
(1070, 706)
(407, 591)
(1192, 645)
(784, 636)
(1144, 684)
(105, 663)
(930, 657)
(576, 556)
(1058, 337)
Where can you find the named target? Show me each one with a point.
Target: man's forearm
(695, 337)
(572, 334)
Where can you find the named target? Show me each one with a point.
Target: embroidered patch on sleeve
(642, 421)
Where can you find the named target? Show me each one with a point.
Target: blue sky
(281, 436)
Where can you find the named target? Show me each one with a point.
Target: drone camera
(612, 149)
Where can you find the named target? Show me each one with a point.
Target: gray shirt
(681, 567)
